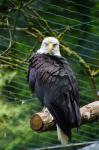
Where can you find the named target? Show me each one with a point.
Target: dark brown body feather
(55, 85)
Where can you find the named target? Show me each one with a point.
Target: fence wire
(83, 38)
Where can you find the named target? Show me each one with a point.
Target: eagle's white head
(50, 45)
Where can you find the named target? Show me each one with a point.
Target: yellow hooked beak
(50, 47)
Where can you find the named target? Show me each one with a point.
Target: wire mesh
(17, 103)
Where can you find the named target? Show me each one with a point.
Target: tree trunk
(43, 121)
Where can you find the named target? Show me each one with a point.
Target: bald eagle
(53, 81)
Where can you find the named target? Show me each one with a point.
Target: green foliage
(23, 25)
(6, 78)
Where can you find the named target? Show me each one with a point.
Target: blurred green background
(23, 25)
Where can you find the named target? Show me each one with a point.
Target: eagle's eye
(54, 44)
(46, 44)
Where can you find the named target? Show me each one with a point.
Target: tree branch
(43, 121)
(36, 33)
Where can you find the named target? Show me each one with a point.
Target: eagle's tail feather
(61, 136)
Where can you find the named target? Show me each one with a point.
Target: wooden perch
(43, 121)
